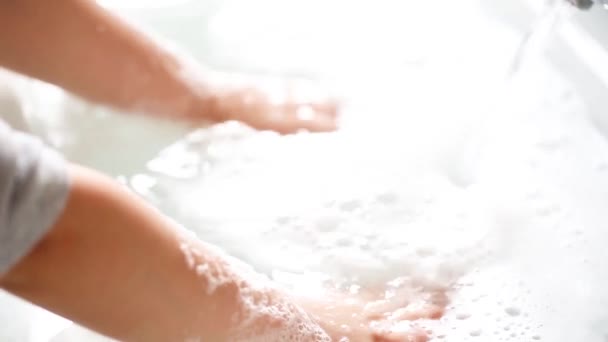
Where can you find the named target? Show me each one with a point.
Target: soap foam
(503, 204)
(264, 313)
(492, 219)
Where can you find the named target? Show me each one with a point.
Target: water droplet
(513, 311)
(463, 315)
(284, 220)
(601, 166)
(344, 241)
(350, 205)
(425, 252)
(387, 198)
(548, 210)
(552, 144)
(328, 223)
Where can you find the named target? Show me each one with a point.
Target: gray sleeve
(33, 191)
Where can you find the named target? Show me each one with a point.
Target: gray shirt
(33, 191)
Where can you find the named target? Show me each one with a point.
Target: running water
(535, 39)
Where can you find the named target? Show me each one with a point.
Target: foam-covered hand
(372, 316)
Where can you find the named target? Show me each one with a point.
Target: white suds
(265, 313)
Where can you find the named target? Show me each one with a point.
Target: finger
(329, 107)
(295, 118)
(414, 335)
(313, 95)
(415, 311)
(382, 308)
(319, 123)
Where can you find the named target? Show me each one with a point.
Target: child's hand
(282, 106)
(370, 317)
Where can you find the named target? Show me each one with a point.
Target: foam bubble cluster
(263, 312)
(487, 217)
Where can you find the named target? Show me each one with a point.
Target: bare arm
(118, 267)
(87, 50)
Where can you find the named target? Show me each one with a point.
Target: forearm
(114, 265)
(85, 49)
(78, 45)
(117, 266)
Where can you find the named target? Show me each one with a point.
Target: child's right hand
(369, 317)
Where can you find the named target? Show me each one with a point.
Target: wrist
(201, 93)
